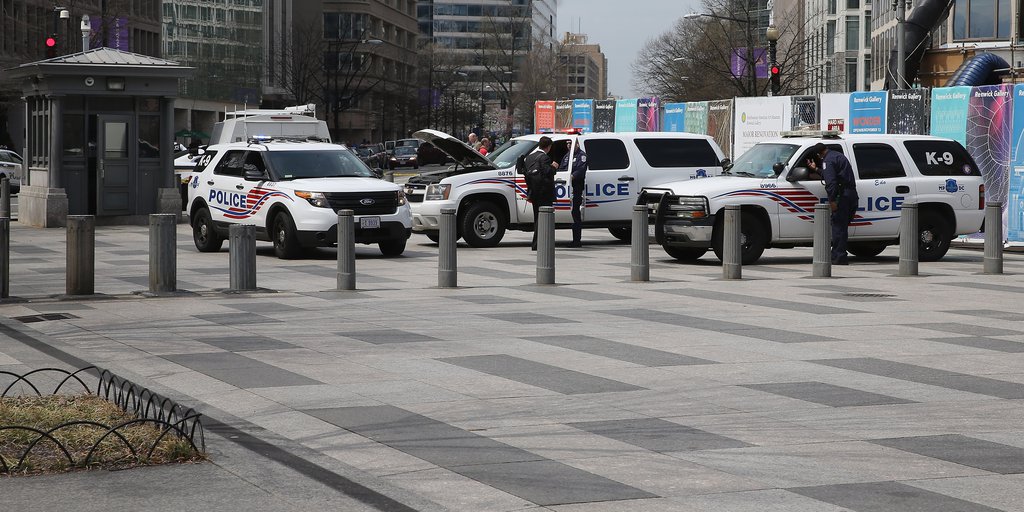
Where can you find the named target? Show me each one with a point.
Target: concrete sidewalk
(865, 392)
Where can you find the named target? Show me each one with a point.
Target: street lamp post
(749, 60)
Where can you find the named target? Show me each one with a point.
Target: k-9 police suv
(292, 191)
(777, 195)
(490, 196)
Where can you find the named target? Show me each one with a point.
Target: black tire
(392, 248)
(753, 238)
(483, 225)
(204, 234)
(685, 253)
(434, 236)
(934, 236)
(866, 250)
(624, 234)
(282, 233)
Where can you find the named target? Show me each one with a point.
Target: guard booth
(99, 137)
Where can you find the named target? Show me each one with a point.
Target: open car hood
(463, 154)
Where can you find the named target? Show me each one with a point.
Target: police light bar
(572, 131)
(822, 134)
(260, 139)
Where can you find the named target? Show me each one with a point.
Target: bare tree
(334, 73)
(693, 60)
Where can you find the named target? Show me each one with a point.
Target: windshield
(364, 151)
(333, 163)
(405, 150)
(506, 155)
(759, 161)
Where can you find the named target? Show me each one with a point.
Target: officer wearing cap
(841, 187)
(578, 158)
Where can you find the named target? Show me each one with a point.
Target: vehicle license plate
(369, 222)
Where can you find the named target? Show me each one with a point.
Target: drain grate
(45, 317)
(883, 295)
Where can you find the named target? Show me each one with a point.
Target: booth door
(113, 191)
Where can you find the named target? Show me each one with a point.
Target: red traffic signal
(776, 70)
(50, 45)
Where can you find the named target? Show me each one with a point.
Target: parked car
(428, 154)
(403, 156)
(12, 166)
(370, 156)
(777, 195)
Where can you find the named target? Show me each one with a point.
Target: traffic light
(51, 46)
(776, 79)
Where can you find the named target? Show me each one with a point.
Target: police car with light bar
(292, 190)
(777, 195)
(490, 196)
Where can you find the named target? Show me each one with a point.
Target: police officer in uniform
(578, 158)
(540, 181)
(842, 197)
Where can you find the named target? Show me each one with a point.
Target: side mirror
(778, 168)
(798, 174)
(726, 164)
(378, 172)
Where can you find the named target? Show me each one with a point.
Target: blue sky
(621, 28)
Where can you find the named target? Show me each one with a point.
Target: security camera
(65, 14)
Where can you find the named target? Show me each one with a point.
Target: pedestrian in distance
(841, 188)
(576, 163)
(540, 181)
(485, 145)
(472, 141)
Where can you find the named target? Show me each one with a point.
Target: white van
(490, 197)
(290, 122)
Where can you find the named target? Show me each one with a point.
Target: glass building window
(830, 37)
(852, 33)
(981, 19)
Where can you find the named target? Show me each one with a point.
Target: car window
(807, 154)
(5, 158)
(231, 164)
(405, 150)
(334, 163)
(677, 152)
(759, 161)
(876, 161)
(506, 155)
(606, 154)
(941, 158)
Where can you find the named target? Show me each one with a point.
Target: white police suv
(777, 195)
(490, 196)
(291, 190)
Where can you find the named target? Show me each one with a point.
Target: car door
(611, 188)
(883, 186)
(228, 191)
(797, 199)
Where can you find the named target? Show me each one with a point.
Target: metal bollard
(994, 238)
(5, 197)
(5, 257)
(447, 262)
(732, 253)
(81, 255)
(908, 240)
(389, 176)
(242, 257)
(346, 250)
(545, 227)
(822, 264)
(640, 254)
(163, 252)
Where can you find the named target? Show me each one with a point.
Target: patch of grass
(47, 412)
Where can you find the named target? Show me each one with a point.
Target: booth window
(74, 135)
